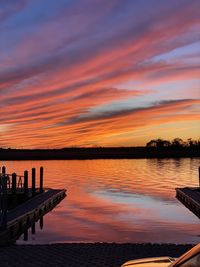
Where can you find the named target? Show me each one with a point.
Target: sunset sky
(98, 72)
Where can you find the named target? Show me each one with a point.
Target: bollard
(33, 181)
(26, 183)
(14, 183)
(41, 179)
(4, 203)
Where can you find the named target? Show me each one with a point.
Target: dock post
(3, 170)
(14, 190)
(33, 181)
(199, 176)
(33, 228)
(26, 183)
(4, 203)
(26, 235)
(41, 179)
(41, 223)
(14, 183)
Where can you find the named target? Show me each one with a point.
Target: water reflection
(118, 200)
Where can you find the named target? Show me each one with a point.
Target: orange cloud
(62, 87)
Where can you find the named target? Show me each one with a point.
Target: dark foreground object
(190, 197)
(96, 255)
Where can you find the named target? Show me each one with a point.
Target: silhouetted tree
(166, 143)
(178, 142)
(175, 143)
(151, 143)
(192, 143)
(158, 143)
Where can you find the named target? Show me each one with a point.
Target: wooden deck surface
(190, 197)
(33, 204)
(192, 192)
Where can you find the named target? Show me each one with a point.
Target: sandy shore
(98, 254)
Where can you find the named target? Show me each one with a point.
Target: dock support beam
(199, 176)
(14, 184)
(26, 183)
(41, 223)
(41, 179)
(26, 235)
(3, 170)
(33, 228)
(33, 181)
(4, 203)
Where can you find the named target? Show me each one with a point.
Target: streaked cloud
(86, 72)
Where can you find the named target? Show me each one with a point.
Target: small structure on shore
(190, 197)
(22, 205)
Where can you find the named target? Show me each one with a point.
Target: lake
(129, 200)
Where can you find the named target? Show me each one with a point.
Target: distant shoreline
(98, 153)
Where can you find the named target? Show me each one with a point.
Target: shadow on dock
(21, 207)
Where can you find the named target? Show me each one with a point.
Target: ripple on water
(117, 200)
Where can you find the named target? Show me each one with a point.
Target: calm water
(117, 201)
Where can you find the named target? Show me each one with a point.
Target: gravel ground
(98, 254)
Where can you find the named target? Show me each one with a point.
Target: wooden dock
(26, 214)
(190, 197)
(21, 205)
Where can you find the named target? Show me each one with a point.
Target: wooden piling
(4, 203)
(26, 235)
(26, 183)
(41, 223)
(3, 170)
(199, 176)
(41, 179)
(33, 228)
(14, 183)
(33, 181)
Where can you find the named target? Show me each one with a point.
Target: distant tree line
(158, 148)
(176, 143)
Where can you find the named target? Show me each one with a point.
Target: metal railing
(13, 186)
(11, 180)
